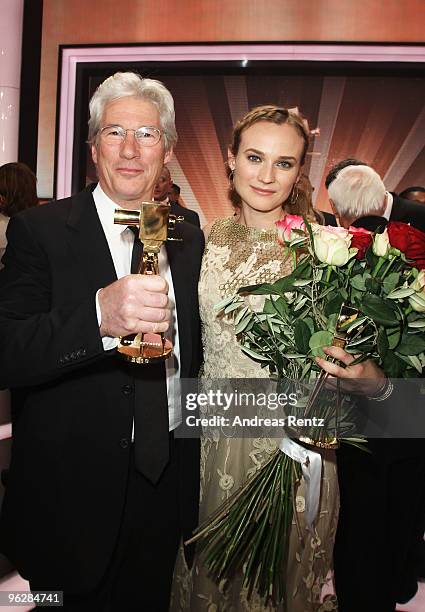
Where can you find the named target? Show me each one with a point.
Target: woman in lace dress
(265, 160)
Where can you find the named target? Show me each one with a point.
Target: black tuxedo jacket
(189, 215)
(72, 402)
(408, 212)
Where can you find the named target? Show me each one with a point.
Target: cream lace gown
(236, 256)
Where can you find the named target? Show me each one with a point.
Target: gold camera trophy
(153, 221)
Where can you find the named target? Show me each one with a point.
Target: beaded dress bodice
(235, 256)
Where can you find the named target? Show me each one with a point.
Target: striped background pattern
(379, 119)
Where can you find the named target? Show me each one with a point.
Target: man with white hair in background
(358, 197)
(382, 491)
(396, 208)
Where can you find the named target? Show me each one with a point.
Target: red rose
(361, 240)
(409, 240)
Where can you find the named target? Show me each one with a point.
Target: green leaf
(310, 324)
(302, 336)
(329, 291)
(263, 289)
(418, 323)
(401, 293)
(416, 363)
(392, 365)
(373, 285)
(394, 336)
(280, 306)
(232, 307)
(382, 343)
(358, 282)
(268, 307)
(300, 304)
(331, 324)
(390, 282)
(318, 341)
(241, 314)
(411, 344)
(253, 354)
(333, 305)
(243, 324)
(223, 303)
(379, 311)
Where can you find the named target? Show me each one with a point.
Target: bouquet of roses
(379, 280)
(381, 275)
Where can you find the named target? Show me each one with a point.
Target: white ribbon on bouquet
(311, 465)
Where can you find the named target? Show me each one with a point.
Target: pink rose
(285, 227)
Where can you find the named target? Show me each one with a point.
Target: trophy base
(146, 348)
(329, 443)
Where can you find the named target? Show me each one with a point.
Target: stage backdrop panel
(356, 104)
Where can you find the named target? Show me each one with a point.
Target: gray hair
(125, 84)
(357, 191)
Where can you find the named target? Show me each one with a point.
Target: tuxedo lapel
(88, 241)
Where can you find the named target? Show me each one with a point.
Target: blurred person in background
(396, 208)
(415, 194)
(161, 194)
(174, 195)
(18, 191)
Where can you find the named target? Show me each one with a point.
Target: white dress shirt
(389, 206)
(120, 241)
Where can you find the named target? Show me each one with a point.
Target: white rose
(381, 244)
(417, 300)
(332, 244)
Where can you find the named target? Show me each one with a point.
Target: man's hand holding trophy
(142, 316)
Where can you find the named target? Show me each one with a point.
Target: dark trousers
(380, 512)
(140, 574)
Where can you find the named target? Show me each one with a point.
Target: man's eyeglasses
(146, 135)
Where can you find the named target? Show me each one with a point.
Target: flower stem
(387, 267)
(328, 274)
(378, 266)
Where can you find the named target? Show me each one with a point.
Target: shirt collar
(389, 206)
(105, 208)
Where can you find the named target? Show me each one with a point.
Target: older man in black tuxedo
(381, 516)
(394, 207)
(99, 490)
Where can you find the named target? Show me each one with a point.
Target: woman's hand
(363, 378)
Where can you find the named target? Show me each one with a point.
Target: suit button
(124, 443)
(127, 389)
